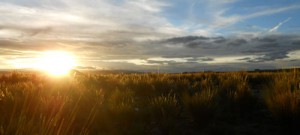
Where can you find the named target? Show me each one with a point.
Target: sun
(56, 63)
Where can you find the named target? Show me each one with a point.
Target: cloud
(237, 42)
(216, 16)
(140, 35)
(268, 48)
(29, 31)
(275, 28)
(85, 67)
(85, 20)
(132, 61)
(297, 42)
(185, 39)
(270, 11)
(176, 54)
(195, 41)
(99, 20)
(22, 46)
(169, 51)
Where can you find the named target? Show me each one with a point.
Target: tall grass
(236, 94)
(32, 103)
(165, 111)
(202, 106)
(282, 98)
(43, 108)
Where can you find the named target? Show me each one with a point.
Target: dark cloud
(195, 44)
(248, 59)
(206, 59)
(266, 39)
(267, 48)
(177, 63)
(196, 41)
(219, 40)
(237, 42)
(178, 54)
(267, 57)
(158, 62)
(186, 39)
(296, 42)
(274, 56)
(110, 43)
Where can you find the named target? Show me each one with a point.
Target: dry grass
(282, 97)
(31, 103)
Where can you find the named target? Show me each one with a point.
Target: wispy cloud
(218, 19)
(270, 11)
(85, 19)
(275, 28)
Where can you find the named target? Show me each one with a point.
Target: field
(155, 104)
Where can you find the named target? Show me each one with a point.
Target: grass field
(176, 104)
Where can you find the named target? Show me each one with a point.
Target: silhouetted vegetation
(191, 103)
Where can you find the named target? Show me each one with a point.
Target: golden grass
(31, 103)
(282, 97)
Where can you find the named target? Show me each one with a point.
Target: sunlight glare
(56, 63)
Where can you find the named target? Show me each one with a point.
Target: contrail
(275, 28)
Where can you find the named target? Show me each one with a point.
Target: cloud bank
(174, 36)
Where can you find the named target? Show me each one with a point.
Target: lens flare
(56, 63)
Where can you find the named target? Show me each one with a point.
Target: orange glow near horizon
(56, 63)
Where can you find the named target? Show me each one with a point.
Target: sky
(151, 35)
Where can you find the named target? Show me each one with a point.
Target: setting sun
(56, 63)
